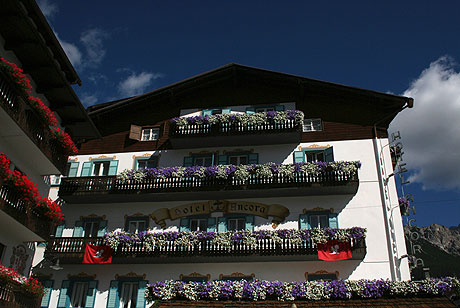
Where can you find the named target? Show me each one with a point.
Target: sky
(407, 48)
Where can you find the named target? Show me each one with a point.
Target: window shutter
(329, 154)
(64, 295)
(222, 160)
(303, 221)
(113, 167)
(59, 229)
(211, 224)
(253, 158)
(86, 169)
(279, 107)
(102, 228)
(333, 220)
(250, 110)
(221, 224)
(207, 112)
(48, 287)
(135, 132)
(91, 295)
(184, 225)
(188, 161)
(73, 169)
(141, 294)
(78, 230)
(249, 223)
(113, 300)
(226, 110)
(299, 157)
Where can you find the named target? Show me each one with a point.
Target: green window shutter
(226, 110)
(279, 107)
(253, 158)
(141, 294)
(59, 229)
(304, 221)
(184, 225)
(329, 154)
(78, 230)
(113, 300)
(86, 169)
(333, 221)
(102, 228)
(221, 224)
(48, 287)
(223, 160)
(64, 295)
(299, 157)
(113, 167)
(91, 295)
(250, 110)
(73, 169)
(249, 223)
(211, 224)
(188, 161)
(207, 112)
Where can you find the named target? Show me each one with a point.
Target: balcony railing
(71, 250)
(12, 296)
(330, 182)
(14, 104)
(22, 212)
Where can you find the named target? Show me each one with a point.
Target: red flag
(97, 254)
(334, 251)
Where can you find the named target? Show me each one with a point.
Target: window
(101, 168)
(79, 291)
(241, 158)
(97, 168)
(146, 163)
(90, 227)
(48, 288)
(208, 112)
(238, 160)
(318, 219)
(235, 224)
(136, 224)
(149, 134)
(237, 277)
(314, 154)
(194, 277)
(312, 125)
(205, 161)
(128, 294)
(265, 109)
(198, 224)
(259, 108)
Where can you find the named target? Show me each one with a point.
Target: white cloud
(93, 42)
(48, 8)
(431, 130)
(89, 100)
(71, 51)
(137, 84)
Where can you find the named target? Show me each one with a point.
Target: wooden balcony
(71, 250)
(234, 134)
(25, 131)
(109, 189)
(33, 226)
(13, 297)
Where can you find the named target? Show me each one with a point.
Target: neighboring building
(341, 124)
(26, 136)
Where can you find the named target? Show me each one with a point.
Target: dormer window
(145, 133)
(151, 133)
(312, 125)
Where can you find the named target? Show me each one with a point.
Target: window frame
(332, 218)
(318, 274)
(129, 219)
(100, 163)
(312, 127)
(82, 294)
(151, 130)
(154, 158)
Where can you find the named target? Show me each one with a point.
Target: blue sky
(122, 49)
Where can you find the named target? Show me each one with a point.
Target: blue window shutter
(279, 107)
(253, 158)
(141, 294)
(188, 161)
(91, 295)
(207, 112)
(299, 157)
(102, 228)
(249, 223)
(113, 167)
(86, 169)
(221, 224)
(211, 224)
(223, 160)
(48, 287)
(329, 155)
(78, 230)
(304, 222)
(64, 295)
(73, 169)
(333, 221)
(226, 110)
(113, 300)
(250, 110)
(184, 225)
(59, 229)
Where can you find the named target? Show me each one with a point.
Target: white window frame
(312, 125)
(238, 159)
(137, 222)
(150, 133)
(79, 293)
(130, 287)
(315, 155)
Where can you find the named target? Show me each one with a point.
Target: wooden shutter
(141, 294)
(64, 295)
(102, 228)
(78, 230)
(48, 287)
(221, 224)
(73, 169)
(184, 225)
(333, 220)
(250, 110)
(211, 224)
(253, 158)
(135, 132)
(59, 229)
(91, 295)
(113, 167)
(304, 221)
(222, 160)
(279, 107)
(188, 161)
(249, 223)
(113, 299)
(329, 155)
(299, 157)
(86, 169)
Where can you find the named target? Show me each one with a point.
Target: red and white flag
(334, 251)
(97, 254)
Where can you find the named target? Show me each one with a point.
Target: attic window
(312, 125)
(140, 133)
